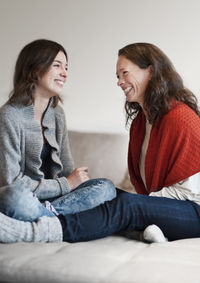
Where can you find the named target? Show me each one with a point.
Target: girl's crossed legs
(19, 203)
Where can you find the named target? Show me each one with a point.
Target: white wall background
(92, 31)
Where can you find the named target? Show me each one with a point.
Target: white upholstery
(110, 260)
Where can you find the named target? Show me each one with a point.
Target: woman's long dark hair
(33, 61)
(164, 85)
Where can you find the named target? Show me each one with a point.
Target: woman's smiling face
(52, 82)
(132, 79)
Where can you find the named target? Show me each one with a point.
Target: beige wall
(92, 31)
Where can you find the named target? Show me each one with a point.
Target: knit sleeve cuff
(64, 185)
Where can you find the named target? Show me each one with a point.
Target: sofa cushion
(110, 260)
(104, 154)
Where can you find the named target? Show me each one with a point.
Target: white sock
(153, 234)
(45, 229)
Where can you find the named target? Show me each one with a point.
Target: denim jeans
(18, 202)
(177, 219)
(86, 196)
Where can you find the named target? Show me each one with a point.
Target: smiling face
(52, 82)
(132, 79)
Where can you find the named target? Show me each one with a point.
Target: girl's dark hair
(164, 85)
(33, 61)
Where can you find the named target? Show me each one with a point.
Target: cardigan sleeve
(12, 144)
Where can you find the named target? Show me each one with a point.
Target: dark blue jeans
(177, 219)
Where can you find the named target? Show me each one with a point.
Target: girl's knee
(106, 182)
(9, 195)
(17, 202)
(13, 193)
(108, 188)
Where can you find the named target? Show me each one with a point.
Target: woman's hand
(77, 177)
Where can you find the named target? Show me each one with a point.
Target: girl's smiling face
(52, 82)
(132, 79)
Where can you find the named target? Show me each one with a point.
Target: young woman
(163, 159)
(35, 154)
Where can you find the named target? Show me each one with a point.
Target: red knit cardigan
(173, 153)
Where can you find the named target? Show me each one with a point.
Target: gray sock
(45, 229)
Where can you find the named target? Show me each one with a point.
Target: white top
(188, 189)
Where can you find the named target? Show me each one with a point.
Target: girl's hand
(77, 177)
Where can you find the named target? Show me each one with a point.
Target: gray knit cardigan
(21, 142)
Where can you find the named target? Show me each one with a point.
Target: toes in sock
(153, 234)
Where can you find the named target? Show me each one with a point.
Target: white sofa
(112, 259)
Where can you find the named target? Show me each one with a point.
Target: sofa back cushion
(105, 154)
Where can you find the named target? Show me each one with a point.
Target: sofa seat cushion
(111, 260)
